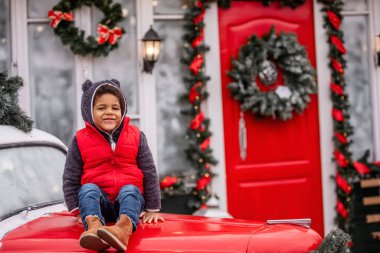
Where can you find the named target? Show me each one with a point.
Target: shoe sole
(92, 242)
(111, 240)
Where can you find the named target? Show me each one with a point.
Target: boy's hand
(150, 217)
(79, 219)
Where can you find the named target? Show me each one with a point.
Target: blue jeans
(94, 201)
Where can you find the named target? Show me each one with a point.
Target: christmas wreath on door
(272, 76)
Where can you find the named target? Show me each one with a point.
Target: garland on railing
(291, 3)
(198, 135)
(347, 168)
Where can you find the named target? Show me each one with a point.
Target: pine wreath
(62, 20)
(259, 65)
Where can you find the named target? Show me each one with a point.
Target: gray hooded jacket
(74, 164)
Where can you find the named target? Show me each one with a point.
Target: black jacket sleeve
(72, 176)
(151, 183)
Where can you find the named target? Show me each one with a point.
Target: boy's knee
(89, 188)
(129, 188)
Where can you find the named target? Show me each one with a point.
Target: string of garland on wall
(347, 169)
(198, 134)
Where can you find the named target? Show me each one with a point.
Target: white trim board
(325, 120)
(214, 106)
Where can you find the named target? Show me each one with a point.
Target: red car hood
(179, 233)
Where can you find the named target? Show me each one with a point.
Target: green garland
(10, 112)
(290, 3)
(198, 134)
(348, 170)
(291, 58)
(108, 33)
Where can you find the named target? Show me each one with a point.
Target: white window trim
(374, 22)
(20, 60)
(147, 85)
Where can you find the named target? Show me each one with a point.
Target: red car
(34, 219)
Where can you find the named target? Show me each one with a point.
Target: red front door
(281, 176)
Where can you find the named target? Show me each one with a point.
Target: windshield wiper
(30, 208)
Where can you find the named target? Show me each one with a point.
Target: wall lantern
(151, 49)
(377, 49)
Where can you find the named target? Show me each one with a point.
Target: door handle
(242, 137)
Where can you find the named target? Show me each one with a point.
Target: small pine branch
(10, 111)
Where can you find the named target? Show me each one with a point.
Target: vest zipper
(113, 144)
(115, 177)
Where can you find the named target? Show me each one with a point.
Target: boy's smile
(107, 112)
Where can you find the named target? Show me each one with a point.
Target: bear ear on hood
(116, 82)
(86, 85)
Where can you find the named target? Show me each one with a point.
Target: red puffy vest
(108, 169)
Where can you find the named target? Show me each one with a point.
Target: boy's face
(107, 112)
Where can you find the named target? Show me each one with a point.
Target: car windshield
(29, 176)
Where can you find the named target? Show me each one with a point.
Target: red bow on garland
(197, 121)
(106, 34)
(337, 42)
(337, 66)
(203, 182)
(196, 64)
(343, 184)
(337, 115)
(342, 139)
(340, 159)
(168, 181)
(337, 89)
(341, 209)
(361, 168)
(199, 18)
(57, 16)
(193, 94)
(198, 40)
(204, 145)
(334, 20)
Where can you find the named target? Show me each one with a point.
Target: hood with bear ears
(89, 89)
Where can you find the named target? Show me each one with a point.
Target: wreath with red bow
(108, 33)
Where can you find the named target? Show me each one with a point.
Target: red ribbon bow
(343, 184)
(57, 16)
(106, 34)
(341, 209)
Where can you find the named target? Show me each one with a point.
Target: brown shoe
(90, 239)
(117, 235)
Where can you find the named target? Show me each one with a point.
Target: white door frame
(213, 105)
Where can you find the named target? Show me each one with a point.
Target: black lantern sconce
(377, 49)
(151, 49)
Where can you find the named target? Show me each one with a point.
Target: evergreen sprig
(335, 242)
(10, 111)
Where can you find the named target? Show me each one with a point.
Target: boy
(109, 172)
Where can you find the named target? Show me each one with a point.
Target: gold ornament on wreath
(272, 76)
(108, 33)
